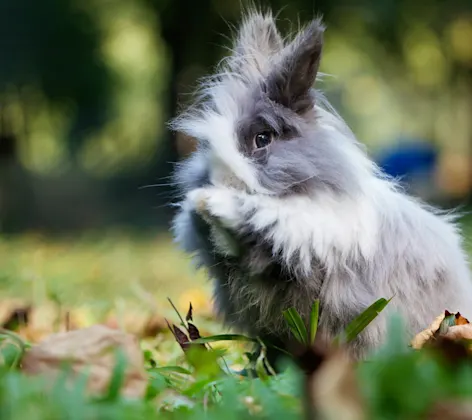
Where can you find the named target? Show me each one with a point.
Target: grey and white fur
(315, 216)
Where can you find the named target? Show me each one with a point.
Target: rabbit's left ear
(256, 41)
(292, 78)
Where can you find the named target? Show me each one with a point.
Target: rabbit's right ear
(256, 41)
(293, 76)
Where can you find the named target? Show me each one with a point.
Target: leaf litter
(332, 389)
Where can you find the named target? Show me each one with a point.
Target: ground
(125, 280)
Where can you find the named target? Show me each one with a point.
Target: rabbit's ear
(256, 41)
(292, 78)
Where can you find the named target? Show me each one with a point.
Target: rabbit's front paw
(198, 199)
(219, 203)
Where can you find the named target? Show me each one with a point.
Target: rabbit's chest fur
(299, 249)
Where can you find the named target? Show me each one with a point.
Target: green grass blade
(296, 325)
(224, 337)
(356, 326)
(315, 312)
(118, 376)
(171, 369)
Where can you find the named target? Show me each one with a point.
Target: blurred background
(86, 87)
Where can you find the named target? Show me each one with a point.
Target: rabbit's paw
(219, 203)
(198, 199)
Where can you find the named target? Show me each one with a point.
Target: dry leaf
(335, 390)
(424, 336)
(459, 332)
(189, 316)
(331, 388)
(138, 323)
(193, 332)
(457, 410)
(179, 336)
(154, 325)
(90, 349)
(448, 325)
(460, 320)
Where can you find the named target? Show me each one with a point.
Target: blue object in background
(408, 158)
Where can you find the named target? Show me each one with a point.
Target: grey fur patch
(300, 158)
(289, 83)
(257, 39)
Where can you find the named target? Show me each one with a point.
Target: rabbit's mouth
(223, 174)
(224, 178)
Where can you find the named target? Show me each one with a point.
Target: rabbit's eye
(263, 139)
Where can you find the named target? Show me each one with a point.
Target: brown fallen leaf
(189, 316)
(180, 337)
(460, 320)
(44, 320)
(90, 350)
(193, 332)
(451, 410)
(447, 336)
(424, 336)
(335, 389)
(154, 325)
(331, 387)
(442, 326)
(459, 332)
(139, 323)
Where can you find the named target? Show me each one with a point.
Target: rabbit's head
(259, 120)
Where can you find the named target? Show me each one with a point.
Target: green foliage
(296, 324)
(402, 383)
(354, 328)
(12, 348)
(315, 313)
(396, 383)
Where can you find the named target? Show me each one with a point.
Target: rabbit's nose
(232, 170)
(221, 175)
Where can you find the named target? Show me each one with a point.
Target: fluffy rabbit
(313, 215)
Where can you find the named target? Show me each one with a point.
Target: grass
(128, 278)
(117, 276)
(99, 269)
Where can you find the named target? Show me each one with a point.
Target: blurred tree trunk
(8, 156)
(185, 32)
(192, 34)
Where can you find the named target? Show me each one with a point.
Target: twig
(178, 314)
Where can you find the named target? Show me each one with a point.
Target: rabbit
(314, 216)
